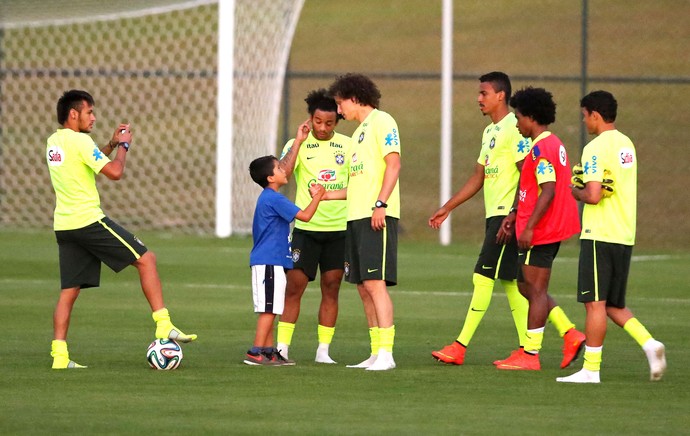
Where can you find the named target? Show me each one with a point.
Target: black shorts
(82, 251)
(310, 249)
(369, 254)
(541, 256)
(603, 272)
(497, 261)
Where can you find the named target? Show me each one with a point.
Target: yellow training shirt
(74, 160)
(502, 147)
(613, 219)
(325, 163)
(375, 138)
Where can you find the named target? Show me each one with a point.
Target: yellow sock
(481, 298)
(533, 340)
(60, 355)
(560, 320)
(592, 358)
(519, 307)
(325, 334)
(637, 331)
(374, 338)
(387, 338)
(285, 331)
(59, 349)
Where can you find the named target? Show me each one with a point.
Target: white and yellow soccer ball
(165, 354)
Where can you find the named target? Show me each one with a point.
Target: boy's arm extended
(308, 212)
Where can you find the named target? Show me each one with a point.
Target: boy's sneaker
(521, 361)
(278, 358)
(573, 344)
(656, 356)
(256, 359)
(453, 354)
(514, 352)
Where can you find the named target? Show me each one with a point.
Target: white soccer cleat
(282, 349)
(384, 362)
(366, 363)
(656, 356)
(582, 376)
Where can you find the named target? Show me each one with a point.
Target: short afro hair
(536, 103)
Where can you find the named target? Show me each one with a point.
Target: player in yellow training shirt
(85, 236)
(373, 210)
(497, 171)
(608, 189)
(317, 154)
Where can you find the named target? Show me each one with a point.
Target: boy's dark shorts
(82, 250)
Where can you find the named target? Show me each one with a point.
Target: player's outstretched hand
(607, 184)
(438, 218)
(576, 180)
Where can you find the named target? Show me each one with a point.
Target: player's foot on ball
(582, 376)
(498, 362)
(365, 363)
(166, 330)
(62, 362)
(573, 344)
(453, 354)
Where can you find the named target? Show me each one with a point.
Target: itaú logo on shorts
(55, 156)
(327, 175)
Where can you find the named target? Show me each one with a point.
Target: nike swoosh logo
(310, 157)
(476, 310)
(372, 270)
(584, 292)
(487, 267)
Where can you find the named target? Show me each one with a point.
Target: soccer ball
(164, 354)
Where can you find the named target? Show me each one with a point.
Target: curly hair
(358, 86)
(536, 103)
(319, 99)
(603, 102)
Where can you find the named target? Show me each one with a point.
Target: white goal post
(199, 80)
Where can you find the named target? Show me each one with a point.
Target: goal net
(153, 64)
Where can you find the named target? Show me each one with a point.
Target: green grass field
(207, 285)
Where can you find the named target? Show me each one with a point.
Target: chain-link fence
(636, 50)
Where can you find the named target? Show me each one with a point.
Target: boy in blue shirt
(270, 255)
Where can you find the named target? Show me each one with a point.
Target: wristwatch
(124, 145)
(380, 203)
(512, 209)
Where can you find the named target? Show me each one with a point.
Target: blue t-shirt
(271, 229)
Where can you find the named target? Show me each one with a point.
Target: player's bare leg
(61, 320)
(297, 282)
(153, 291)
